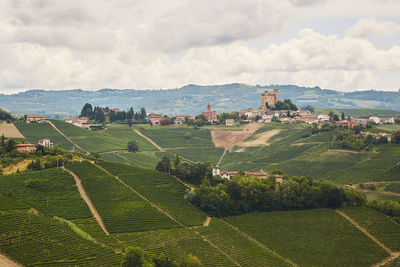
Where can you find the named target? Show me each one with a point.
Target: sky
(345, 45)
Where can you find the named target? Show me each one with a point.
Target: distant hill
(192, 99)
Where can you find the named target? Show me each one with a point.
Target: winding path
(86, 198)
(150, 140)
(222, 156)
(69, 139)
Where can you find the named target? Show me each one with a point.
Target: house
(287, 120)
(389, 121)
(323, 118)
(154, 118)
(307, 119)
(180, 119)
(211, 115)
(230, 122)
(45, 143)
(228, 174)
(375, 119)
(26, 148)
(379, 135)
(35, 118)
(82, 122)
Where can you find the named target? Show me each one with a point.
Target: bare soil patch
(22, 165)
(229, 138)
(6, 261)
(261, 139)
(9, 130)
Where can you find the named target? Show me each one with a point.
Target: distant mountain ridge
(191, 99)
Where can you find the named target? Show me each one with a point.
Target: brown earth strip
(86, 198)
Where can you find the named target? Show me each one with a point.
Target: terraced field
(378, 224)
(116, 137)
(56, 194)
(121, 210)
(33, 132)
(161, 189)
(318, 237)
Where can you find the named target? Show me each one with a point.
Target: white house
(375, 119)
(323, 118)
(46, 143)
(230, 122)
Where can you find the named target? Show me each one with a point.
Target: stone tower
(270, 98)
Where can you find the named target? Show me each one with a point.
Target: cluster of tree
(47, 162)
(396, 137)
(371, 187)
(390, 208)
(244, 193)
(137, 257)
(347, 140)
(32, 183)
(133, 147)
(6, 116)
(284, 105)
(98, 114)
(198, 121)
(324, 127)
(223, 116)
(192, 172)
(309, 108)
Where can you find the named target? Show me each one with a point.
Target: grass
(116, 137)
(160, 188)
(120, 208)
(173, 137)
(240, 248)
(39, 240)
(393, 188)
(36, 131)
(203, 154)
(318, 237)
(56, 194)
(377, 224)
(376, 195)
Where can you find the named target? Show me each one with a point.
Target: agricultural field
(377, 195)
(56, 195)
(121, 210)
(203, 154)
(9, 130)
(174, 137)
(161, 189)
(361, 113)
(240, 248)
(319, 237)
(395, 188)
(377, 224)
(115, 137)
(142, 159)
(33, 132)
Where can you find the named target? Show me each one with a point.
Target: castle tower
(208, 107)
(270, 99)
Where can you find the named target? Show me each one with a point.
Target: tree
(133, 147)
(190, 261)
(87, 111)
(177, 160)
(335, 117)
(3, 140)
(99, 116)
(309, 108)
(396, 137)
(143, 113)
(10, 145)
(343, 116)
(164, 165)
(129, 114)
(134, 257)
(331, 114)
(32, 183)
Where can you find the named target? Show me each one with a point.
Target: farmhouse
(154, 118)
(35, 118)
(82, 122)
(229, 174)
(375, 119)
(180, 119)
(45, 143)
(230, 122)
(26, 148)
(211, 115)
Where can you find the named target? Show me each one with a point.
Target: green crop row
(202, 154)
(160, 188)
(121, 209)
(319, 237)
(55, 195)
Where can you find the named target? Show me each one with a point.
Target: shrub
(32, 183)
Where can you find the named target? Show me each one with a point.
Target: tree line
(99, 114)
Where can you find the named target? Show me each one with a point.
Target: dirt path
(207, 221)
(392, 257)
(362, 229)
(69, 139)
(259, 243)
(222, 157)
(86, 198)
(8, 262)
(148, 139)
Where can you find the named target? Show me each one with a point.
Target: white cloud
(370, 27)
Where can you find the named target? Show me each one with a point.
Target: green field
(56, 194)
(173, 137)
(377, 224)
(395, 188)
(376, 195)
(318, 237)
(142, 159)
(115, 137)
(121, 209)
(361, 113)
(161, 189)
(203, 154)
(36, 131)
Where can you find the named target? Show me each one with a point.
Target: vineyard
(56, 194)
(161, 189)
(121, 209)
(201, 154)
(378, 224)
(312, 237)
(33, 132)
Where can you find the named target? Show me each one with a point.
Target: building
(230, 122)
(211, 115)
(323, 118)
(269, 100)
(154, 118)
(45, 143)
(82, 122)
(26, 148)
(229, 174)
(35, 118)
(181, 119)
(375, 119)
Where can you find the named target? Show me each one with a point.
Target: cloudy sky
(64, 44)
